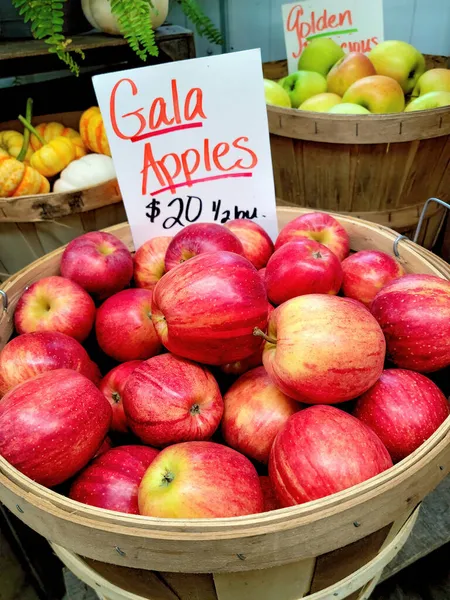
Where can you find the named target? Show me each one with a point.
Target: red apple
(258, 247)
(149, 262)
(112, 480)
(99, 262)
(255, 411)
(106, 445)
(322, 228)
(55, 304)
(320, 451)
(199, 238)
(404, 409)
(366, 272)
(112, 386)
(169, 400)
(31, 354)
(206, 309)
(323, 349)
(52, 425)
(270, 499)
(302, 267)
(197, 480)
(414, 314)
(124, 326)
(347, 70)
(262, 274)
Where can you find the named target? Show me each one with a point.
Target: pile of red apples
(215, 374)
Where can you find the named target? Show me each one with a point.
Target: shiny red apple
(320, 227)
(206, 308)
(255, 411)
(124, 326)
(99, 262)
(320, 451)
(169, 399)
(112, 480)
(323, 349)
(31, 354)
(367, 272)
(258, 247)
(149, 262)
(197, 480)
(302, 267)
(414, 314)
(270, 499)
(55, 304)
(112, 386)
(199, 238)
(52, 425)
(404, 409)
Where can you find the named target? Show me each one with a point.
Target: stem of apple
(168, 477)
(116, 397)
(259, 333)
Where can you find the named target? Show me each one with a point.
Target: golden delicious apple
(430, 100)
(301, 85)
(377, 93)
(345, 108)
(347, 70)
(434, 80)
(398, 60)
(321, 102)
(320, 55)
(275, 94)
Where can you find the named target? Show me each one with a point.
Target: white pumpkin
(85, 172)
(99, 15)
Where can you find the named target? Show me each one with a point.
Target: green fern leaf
(203, 24)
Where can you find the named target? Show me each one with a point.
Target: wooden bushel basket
(381, 168)
(32, 226)
(324, 548)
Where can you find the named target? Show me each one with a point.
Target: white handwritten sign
(356, 25)
(190, 143)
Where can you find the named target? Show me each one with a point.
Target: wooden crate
(381, 168)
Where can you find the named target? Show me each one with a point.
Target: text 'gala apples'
(323, 349)
(399, 60)
(404, 409)
(149, 265)
(31, 354)
(318, 226)
(302, 267)
(52, 425)
(258, 247)
(55, 304)
(255, 411)
(414, 314)
(124, 326)
(112, 386)
(99, 262)
(320, 451)
(169, 400)
(199, 238)
(112, 480)
(197, 480)
(367, 272)
(379, 94)
(206, 308)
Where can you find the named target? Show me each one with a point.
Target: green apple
(346, 108)
(320, 55)
(301, 85)
(275, 94)
(434, 80)
(398, 60)
(430, 100)
(377, 93)
(321, 102)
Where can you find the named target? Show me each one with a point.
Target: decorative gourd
(53, 157)
(99, 15)
(49, 131)
(88, 171)
(19, 179)
(92, 131)
(12, 141)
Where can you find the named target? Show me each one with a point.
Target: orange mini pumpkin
(19, 179)
(92, 131)
(50, 131)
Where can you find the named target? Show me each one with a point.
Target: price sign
(356, 25)
(190, 143)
